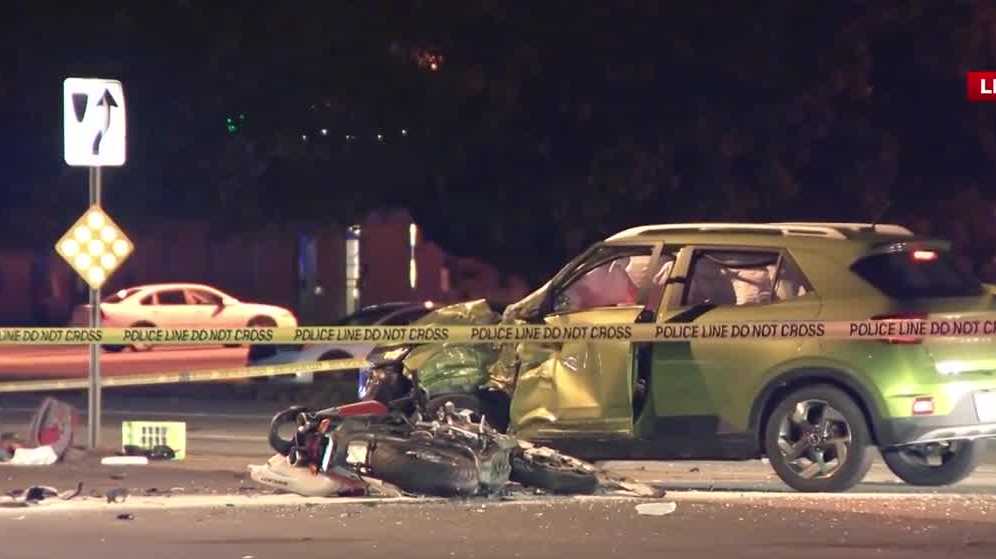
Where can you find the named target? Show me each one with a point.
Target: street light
(94, 246)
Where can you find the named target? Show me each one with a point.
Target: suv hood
(477, 312)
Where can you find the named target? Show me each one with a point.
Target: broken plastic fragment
(656, 509)
(41, 456)
(124, 461)
(117, 495)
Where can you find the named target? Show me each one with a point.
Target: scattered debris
(51, 436)
(656, 509)
(9, 443)
(40, 456)
(124, 460)
(150, 438)
(382, 488)
(35, 494)
(119, 495)
(620, 485)
(126, 516)
(695, 470)
(67, 495)
(54, 425)
(157, 452)
(40, 493)
(279, 474)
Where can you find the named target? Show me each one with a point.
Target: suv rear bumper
(962, 423)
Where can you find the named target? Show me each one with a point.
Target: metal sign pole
(93, 396)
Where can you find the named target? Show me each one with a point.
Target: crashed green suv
(814, 407)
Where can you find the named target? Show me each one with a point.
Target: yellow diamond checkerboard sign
(94, 246)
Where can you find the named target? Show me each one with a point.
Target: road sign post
(94, 392)
(94, 128)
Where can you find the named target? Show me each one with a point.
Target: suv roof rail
(885, 228)
(808, 229)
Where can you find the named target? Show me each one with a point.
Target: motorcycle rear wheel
(419, 467)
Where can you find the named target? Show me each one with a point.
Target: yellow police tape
(177, 377)
(972, 327)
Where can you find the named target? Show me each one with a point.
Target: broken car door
(585, 387)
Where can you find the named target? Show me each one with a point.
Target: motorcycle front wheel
(547, 469)
(288, 416)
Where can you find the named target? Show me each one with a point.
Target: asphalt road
(37, 362)
(226, 433)
(567, 527)
(724, 509)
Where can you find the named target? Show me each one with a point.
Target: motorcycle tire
(289, 415)
(566, 478)
(428, 469)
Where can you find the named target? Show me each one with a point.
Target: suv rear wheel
(817, 440)
(933, 464)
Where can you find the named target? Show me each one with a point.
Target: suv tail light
(902, 316)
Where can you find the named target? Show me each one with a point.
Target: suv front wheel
(817, 440)
(933, 464)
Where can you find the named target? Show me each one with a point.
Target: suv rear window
(917, 274)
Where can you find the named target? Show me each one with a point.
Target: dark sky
(503, 122)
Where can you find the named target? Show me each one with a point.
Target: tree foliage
(520, 131)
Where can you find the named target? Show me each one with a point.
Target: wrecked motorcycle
(449, 451)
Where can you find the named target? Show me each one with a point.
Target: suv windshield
(917, 274)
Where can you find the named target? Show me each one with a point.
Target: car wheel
(256, 322)
(817, 440)
(142, 346)
(262, 322)
(933, 464)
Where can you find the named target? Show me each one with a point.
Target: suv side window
(730, 277)
(617, 277)
(791, 282)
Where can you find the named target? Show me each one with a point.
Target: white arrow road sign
(94, 122)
